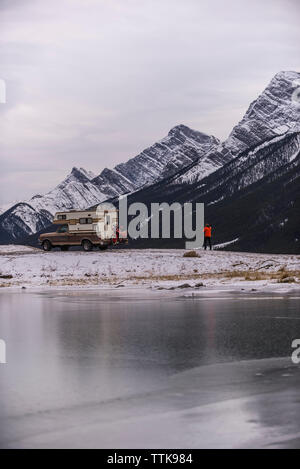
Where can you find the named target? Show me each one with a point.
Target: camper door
(104, 226)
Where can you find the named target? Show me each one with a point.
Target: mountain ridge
(262, 149)
(81, 188)
(265, 157)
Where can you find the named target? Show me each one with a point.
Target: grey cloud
(92, 83)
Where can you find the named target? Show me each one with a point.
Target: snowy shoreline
(165, 270)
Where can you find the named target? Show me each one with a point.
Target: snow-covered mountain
(273, 113)
(82, 189)
(28, 217)
(180, 148)
(260, 159)
(250, 197)
(21, 220)
(269, 118)
(77, 190)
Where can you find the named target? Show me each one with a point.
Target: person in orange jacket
(207, 236)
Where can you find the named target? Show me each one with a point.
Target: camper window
(61, 217)
(85, 221)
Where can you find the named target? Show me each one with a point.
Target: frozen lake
(129, 369)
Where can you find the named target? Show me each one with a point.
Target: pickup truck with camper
(97, 227)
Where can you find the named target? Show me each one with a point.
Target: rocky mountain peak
(179, 128)
(186, 132)
(275, 112)
(80, 173)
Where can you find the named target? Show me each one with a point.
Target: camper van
(98, 227)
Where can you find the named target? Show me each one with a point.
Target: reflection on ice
(96, 370)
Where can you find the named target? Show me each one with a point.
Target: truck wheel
(46, 245)
(87, 245)
(103, 248)
(64, 248)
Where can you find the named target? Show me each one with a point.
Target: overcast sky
(93, 82)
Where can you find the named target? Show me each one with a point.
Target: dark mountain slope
(244, 199)
(265, 217)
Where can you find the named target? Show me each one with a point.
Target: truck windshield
(63, 229)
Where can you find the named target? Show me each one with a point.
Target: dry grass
(253, 275)
(166, 277)
(71, 281)
(242, 274)
(191, 254)
(94, 278)
(286, 279)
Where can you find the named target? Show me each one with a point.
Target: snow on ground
(223, 245)
(161, 269)
(12, 248)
